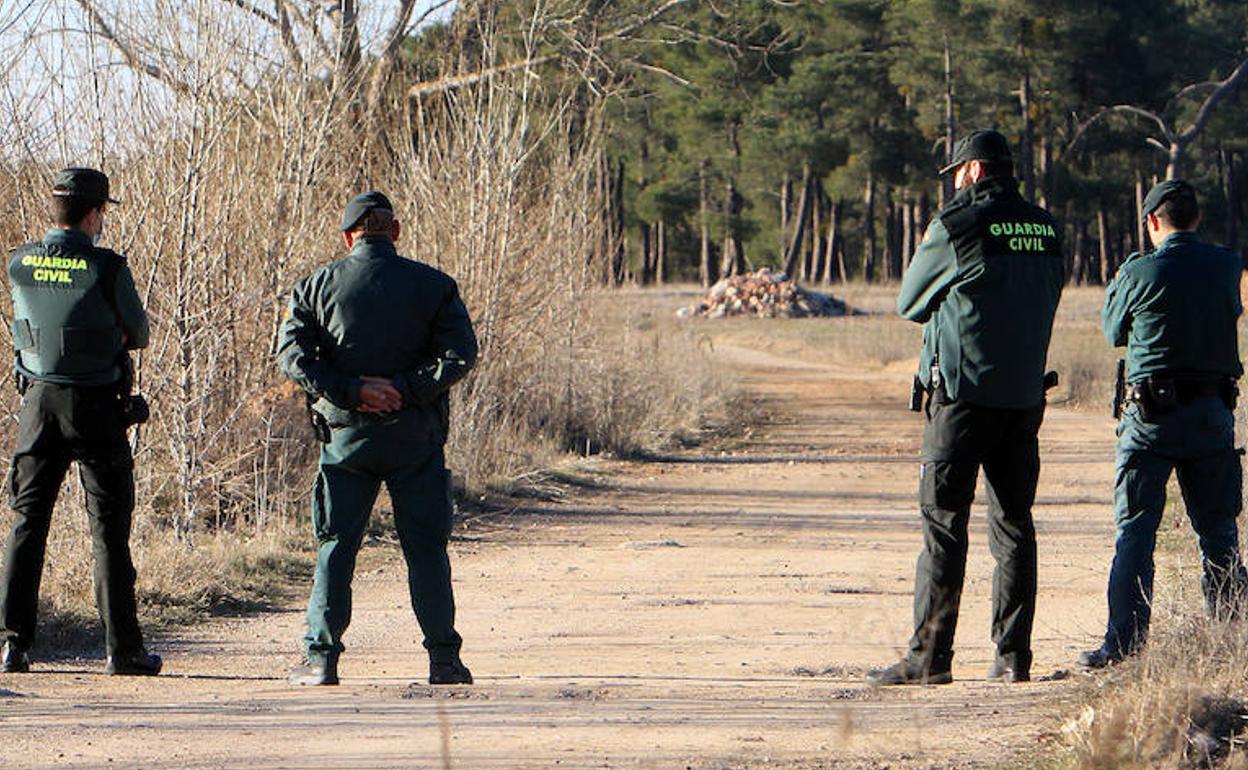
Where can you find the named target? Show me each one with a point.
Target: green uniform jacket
(377, 313)
(1176, 309)
(75, 310)
(986, 281)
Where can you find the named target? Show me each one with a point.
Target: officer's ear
(395, 230)
(348, 237)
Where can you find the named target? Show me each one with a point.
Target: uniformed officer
(1175, 310)
(376, 341)
(985, 282)
(75, 314)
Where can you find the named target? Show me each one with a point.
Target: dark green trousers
(59, 425)
(958, 441)
(354, 465)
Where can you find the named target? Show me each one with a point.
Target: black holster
(320, 426)
(134, 406)
(1161, 394)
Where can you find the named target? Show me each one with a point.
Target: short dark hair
(1180, 212)
(70, 210)
(994, 168)
(375, 222)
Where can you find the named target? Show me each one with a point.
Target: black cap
(360, 205)
(979, 145)
(1164, 191)
(85, 183)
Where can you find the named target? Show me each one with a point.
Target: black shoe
(1097, 658)
(907, 671)
(13, 660)
(140, 663)
(452, 672)
(1001, 671)
(314, 673)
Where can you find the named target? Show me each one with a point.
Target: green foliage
(742, 97)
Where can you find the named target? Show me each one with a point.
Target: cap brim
(70, 193)
(951, 167)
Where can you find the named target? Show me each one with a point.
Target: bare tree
(1171, 139)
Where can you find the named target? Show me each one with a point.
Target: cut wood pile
(766, 295)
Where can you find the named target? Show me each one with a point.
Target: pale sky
(53, 76)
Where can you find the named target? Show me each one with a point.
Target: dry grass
(1182, 702)
(234, 162)
(224, 574)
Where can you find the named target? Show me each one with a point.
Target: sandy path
(715, 610)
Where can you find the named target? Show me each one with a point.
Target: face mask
(99, 233)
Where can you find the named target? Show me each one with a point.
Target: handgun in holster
(320, 426)
(1120, 388)
(134, 407)
(20, 381)
(916, 394)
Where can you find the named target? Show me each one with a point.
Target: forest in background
(806, 136)
(542, 149)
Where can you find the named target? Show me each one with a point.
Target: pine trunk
(794, 250)
(907, 232)
(660, 253)
(1230, 189)
(891, 258)
(644, 255)
(786, 194)
(946, 182)
(1025, 168)
(868, 229)
(836, 267)
(706, 270)
(1105, 240)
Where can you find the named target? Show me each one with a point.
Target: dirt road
(712, 610)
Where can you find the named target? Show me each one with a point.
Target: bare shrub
(234, 138)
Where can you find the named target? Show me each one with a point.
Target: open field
(710, 608)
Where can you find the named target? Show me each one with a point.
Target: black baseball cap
(85, 183)
(986, 145)
(1164, 191)
(360, 205)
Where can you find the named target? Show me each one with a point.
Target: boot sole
(927, 680)
(312, 682)
(1010, 679)
(131, 672)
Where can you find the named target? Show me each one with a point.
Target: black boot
(314, 673)
(1003, 670)
(911, 671)
(1098, 658)
(13, 660)
(139, 663)
(449, 672)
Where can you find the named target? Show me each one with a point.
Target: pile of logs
(766, 295)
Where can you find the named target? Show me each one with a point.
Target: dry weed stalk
(234, 138)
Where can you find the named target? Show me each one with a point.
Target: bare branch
(459, 81)
(132, 59)
(1122, 108)
(619, 33)
(661, 71)
(1211, 103)
(259, 13)
(1159, 145)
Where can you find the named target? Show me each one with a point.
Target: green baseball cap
(987, 145)
(360, 205)
(85, 183)
(1164, 191)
